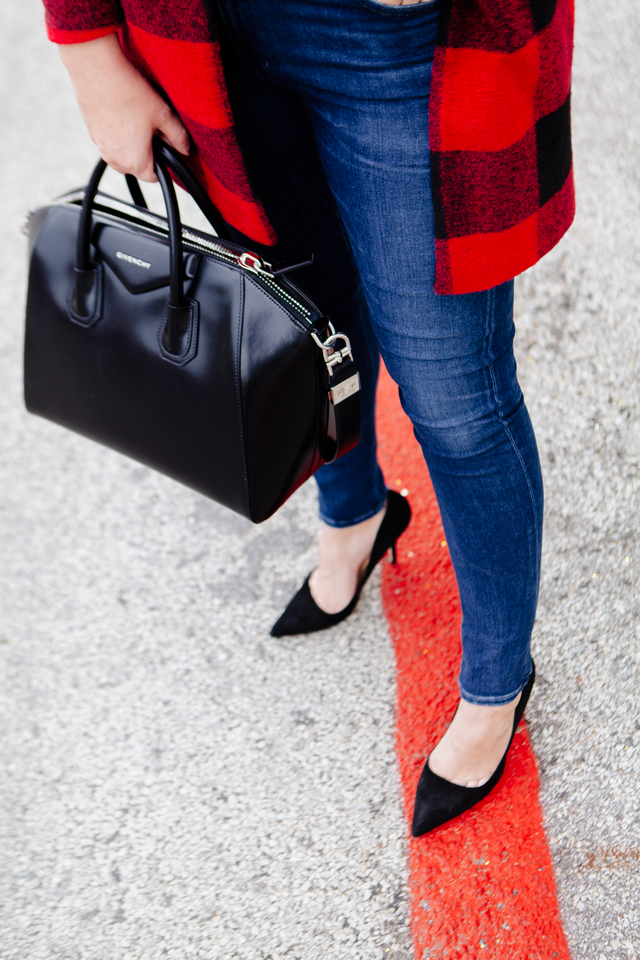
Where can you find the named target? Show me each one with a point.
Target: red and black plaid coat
(499, 121)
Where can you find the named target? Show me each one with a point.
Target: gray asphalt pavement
(177, 784)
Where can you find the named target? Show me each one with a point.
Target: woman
(422, 151)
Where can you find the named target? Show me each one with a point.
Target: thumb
(174, 132)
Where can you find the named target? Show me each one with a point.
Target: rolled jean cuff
(495, 701)
(350, 522)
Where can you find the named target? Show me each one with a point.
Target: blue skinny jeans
(331, 104)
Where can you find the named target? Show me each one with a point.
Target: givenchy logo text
(130, 259)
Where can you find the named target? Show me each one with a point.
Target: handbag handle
(136, 193)
(165, 158)
(176, 332)
(175, 161)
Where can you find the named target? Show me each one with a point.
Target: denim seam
(501, 415)
(505, 698)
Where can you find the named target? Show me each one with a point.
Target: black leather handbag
(182, 349)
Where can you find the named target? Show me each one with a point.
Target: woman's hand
(121, 109)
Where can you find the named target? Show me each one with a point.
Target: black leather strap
(176, 271)
(136, 193)
(83, 244)
(343, 428)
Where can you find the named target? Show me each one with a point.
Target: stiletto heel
(303, 615)
(438, 800)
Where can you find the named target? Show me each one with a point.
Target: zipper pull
(250, 261)
(287, 266)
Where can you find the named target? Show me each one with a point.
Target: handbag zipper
(247, 261)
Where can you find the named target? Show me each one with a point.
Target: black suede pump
(303, 615)
(439, 800)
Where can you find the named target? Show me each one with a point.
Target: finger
(140, 167)
(145, 168)
(148, 176)
(174, 132)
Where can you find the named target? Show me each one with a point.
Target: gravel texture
(579, 339)
(176, 783)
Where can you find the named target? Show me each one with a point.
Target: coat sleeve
(75, 21)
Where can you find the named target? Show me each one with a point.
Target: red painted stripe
(482, 885)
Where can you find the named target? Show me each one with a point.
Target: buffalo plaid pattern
(500, 138)
(500, 142)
